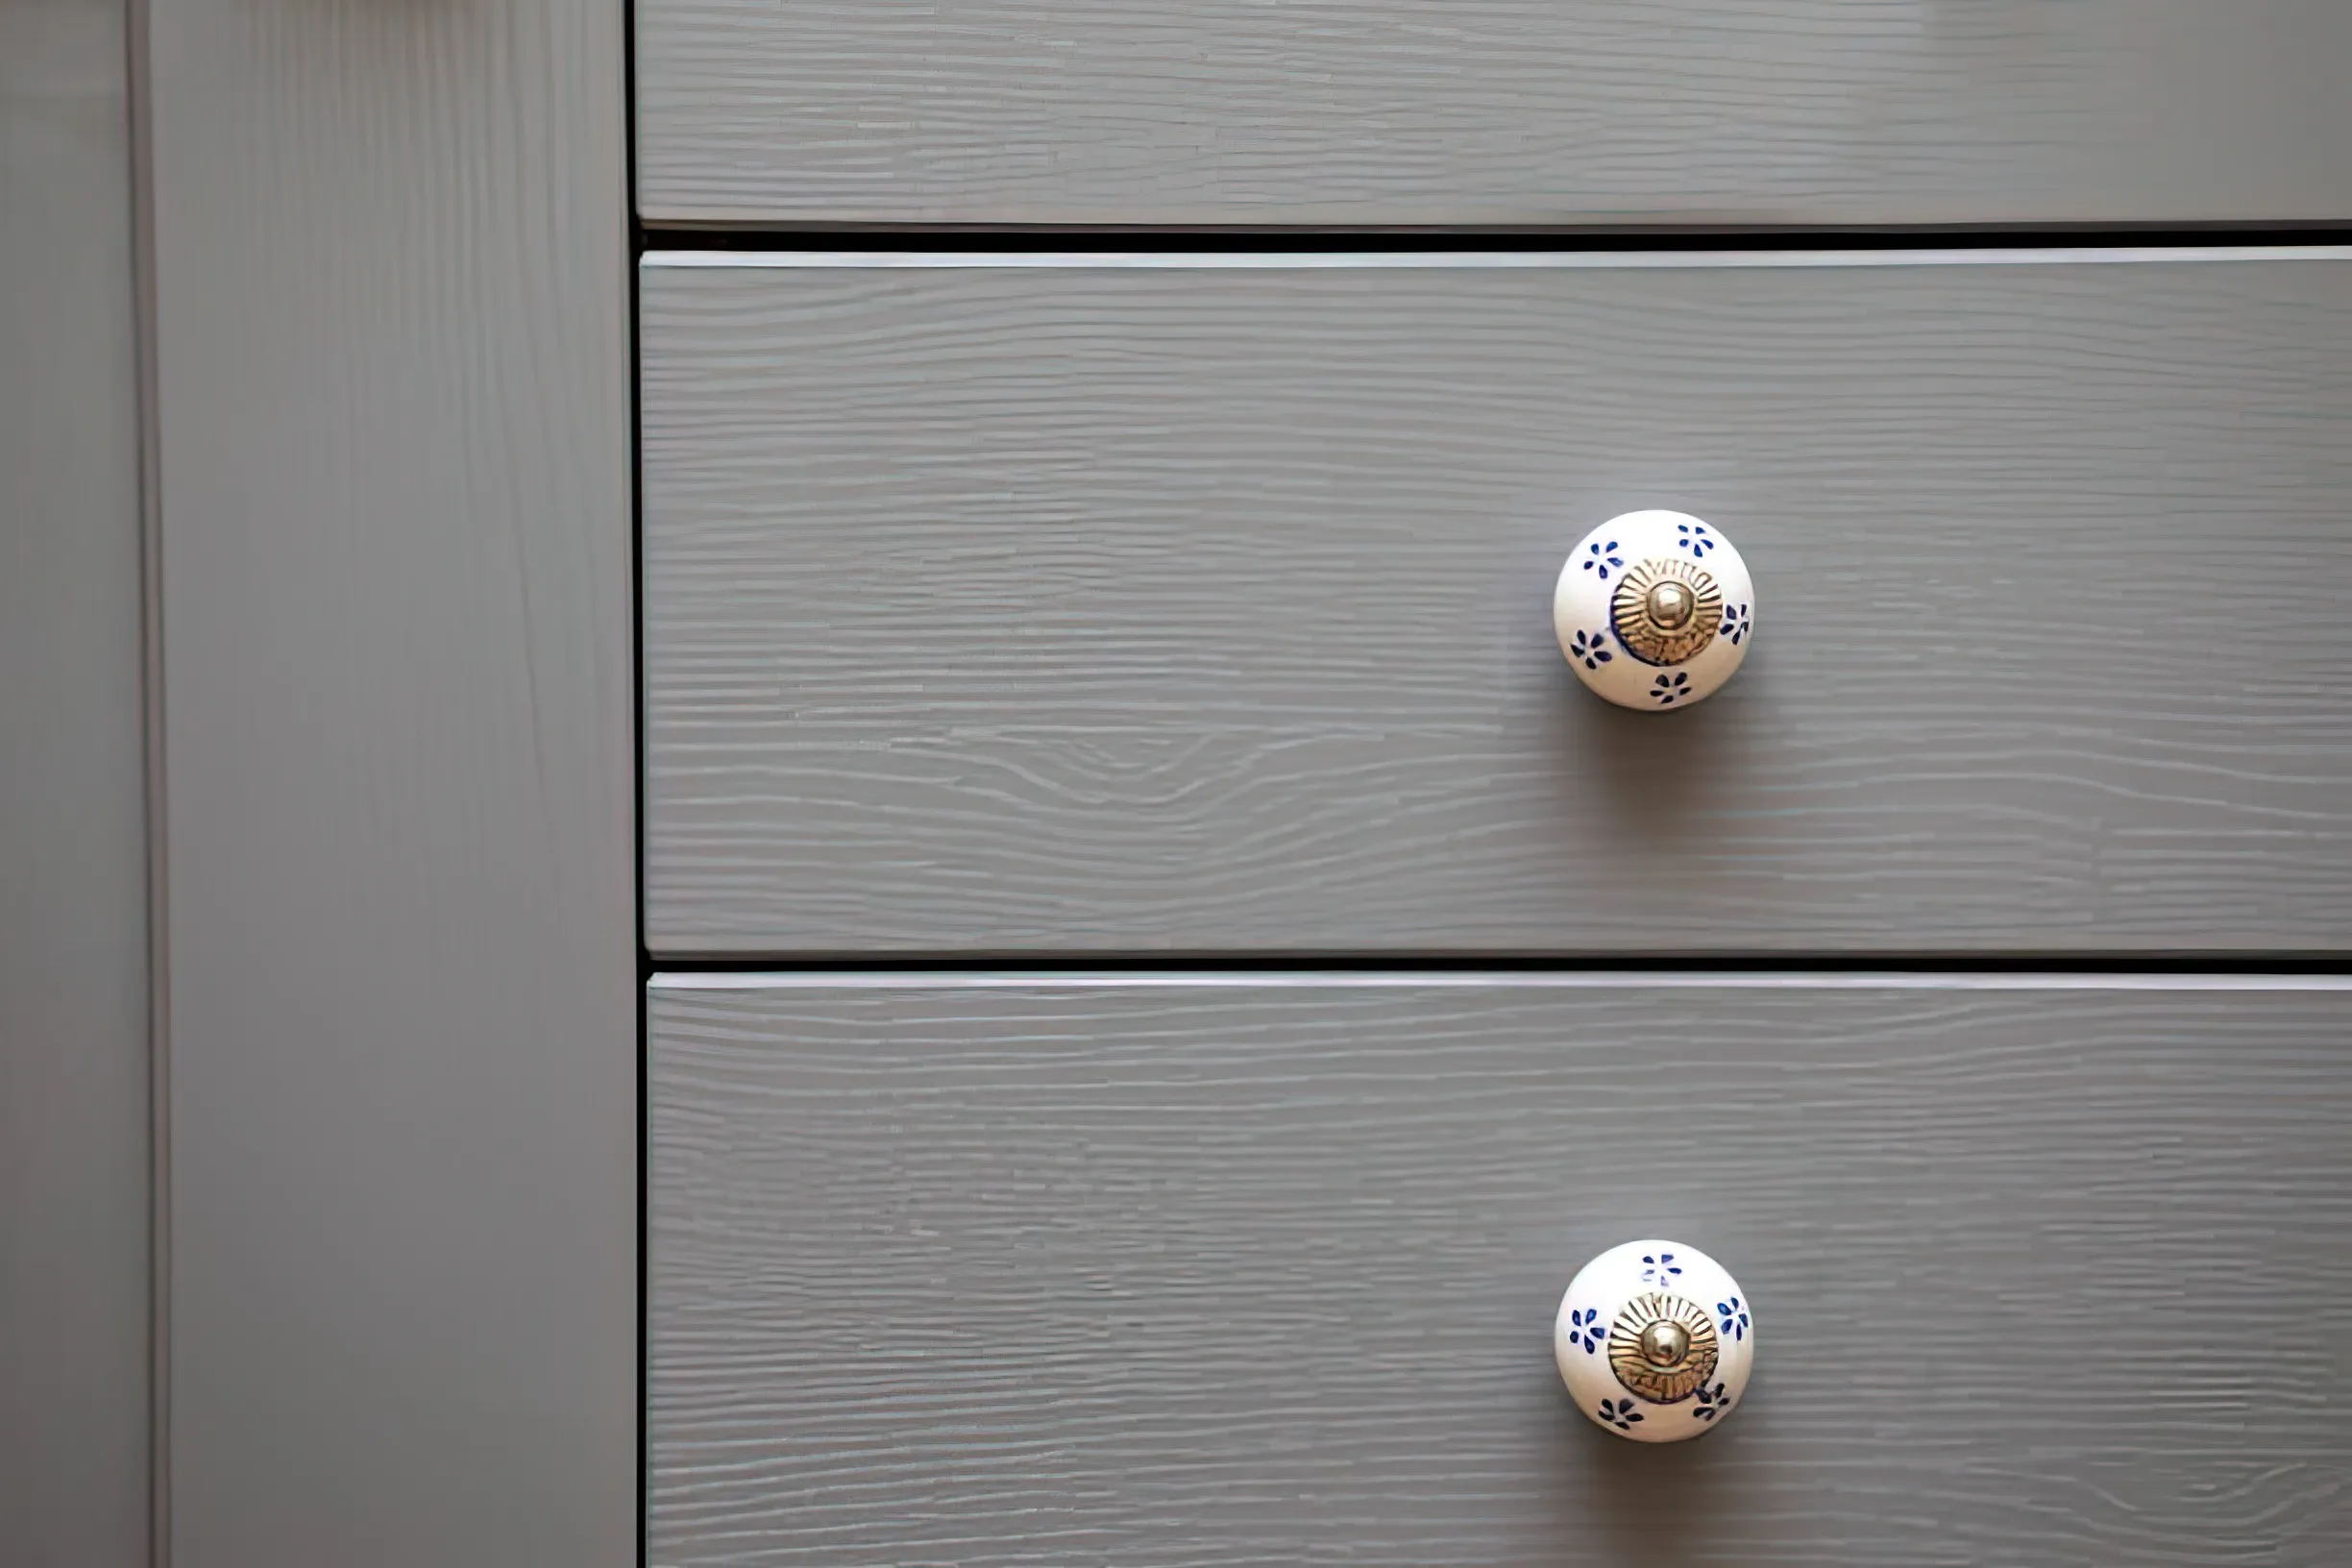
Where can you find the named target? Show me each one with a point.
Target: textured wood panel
(393, 347)
(1252, 1271)
(1115, 606)
(73, 904)
(1492, 111)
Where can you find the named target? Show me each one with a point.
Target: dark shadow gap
(637, 244)
(1210, 961)
(1262, 240)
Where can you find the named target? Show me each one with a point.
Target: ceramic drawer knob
(1655, 1340)
(1655, 610)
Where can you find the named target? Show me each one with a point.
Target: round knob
(1654, 1339)
(1654, 610)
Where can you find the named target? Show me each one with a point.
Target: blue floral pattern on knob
(1734, 1318)
(1661, 1268)
(1711, 1402)
(1619, 1414)
(1647, 592)
(1584, 1328)
(1591, 647)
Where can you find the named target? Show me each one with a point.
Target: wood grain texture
(393, 350)
(1492, 111)
(73, 895)
(1247, 1272)
(1005, 606)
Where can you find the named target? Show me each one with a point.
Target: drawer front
(1204, 602)
(1494, 112)
(1250, 1269)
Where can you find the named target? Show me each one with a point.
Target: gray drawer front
(1005, 605)
(1494, 112)
(1262, 1269)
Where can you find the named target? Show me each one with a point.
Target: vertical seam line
(136, 34)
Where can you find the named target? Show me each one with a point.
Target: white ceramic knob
(1655, 609)
(1655, 1340)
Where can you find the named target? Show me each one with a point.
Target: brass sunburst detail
(1662, 1347)
(1665, 610)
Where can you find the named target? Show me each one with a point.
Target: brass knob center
(1663, 1347)
(1666, 610)
(1664, 1343)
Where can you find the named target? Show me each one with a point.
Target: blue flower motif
(1735, 624)
(1619, 1414)
(1735, 1317)
(1695, 538)
(1585, 1329)
(1601, 557)
(1592, 647)
(1661, 1269)
(1711, 1402)
(1666, 690)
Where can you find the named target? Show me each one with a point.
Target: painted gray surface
(1244, 1272)
(1493, 111)
(392, 279)
(1069, 606)
(73, 902)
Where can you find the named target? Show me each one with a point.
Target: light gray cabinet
(1262, 1268)
(1493, 111)
(1185, 606)
(1203, 602)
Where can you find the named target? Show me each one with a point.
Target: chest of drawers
(1198, 603)
(867, 840)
